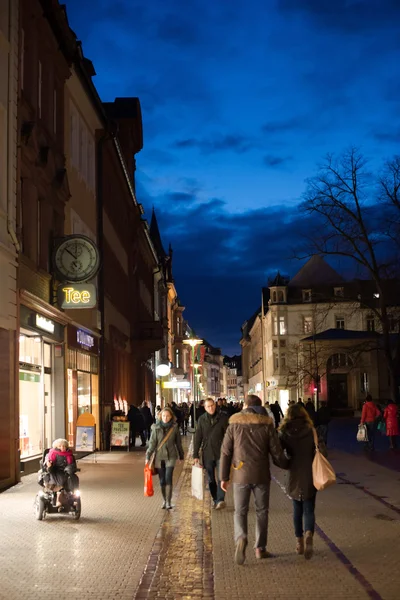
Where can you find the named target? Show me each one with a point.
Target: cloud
(276, 161)
(219, 143)
(283, 126)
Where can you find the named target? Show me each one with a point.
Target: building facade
(9, 244)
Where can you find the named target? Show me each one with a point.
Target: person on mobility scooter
(59, 481)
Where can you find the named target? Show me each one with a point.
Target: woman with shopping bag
(297, 438)
(165, 448)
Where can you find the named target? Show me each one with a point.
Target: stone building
(9, 243)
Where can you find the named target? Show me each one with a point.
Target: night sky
(241, 100)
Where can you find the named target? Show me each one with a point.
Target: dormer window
(306, 295)
(274, 297)
(338, 292)
(280, 296)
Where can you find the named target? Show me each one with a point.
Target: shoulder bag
(162, 443)
(323, 473)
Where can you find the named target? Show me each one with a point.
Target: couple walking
(249, 442)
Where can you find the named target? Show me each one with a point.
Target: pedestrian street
(124, 546)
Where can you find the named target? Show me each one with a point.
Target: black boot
(168, 496)
(164, 496)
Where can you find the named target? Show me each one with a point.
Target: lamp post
(193, 342)
(196, 367)
(162, 370)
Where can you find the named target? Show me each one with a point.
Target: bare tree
(354, 216)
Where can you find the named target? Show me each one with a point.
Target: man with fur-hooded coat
(250, 440)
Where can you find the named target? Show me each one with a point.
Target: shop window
(30, 413)
(47, 356)
(30, 350)
(84, 390)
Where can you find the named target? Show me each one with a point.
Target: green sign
(32, 377)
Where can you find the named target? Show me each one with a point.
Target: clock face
(76, 258)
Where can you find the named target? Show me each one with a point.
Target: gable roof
(316, 272)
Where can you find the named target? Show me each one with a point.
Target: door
(337, 390)
(48, 396)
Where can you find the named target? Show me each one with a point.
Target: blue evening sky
(240, 102)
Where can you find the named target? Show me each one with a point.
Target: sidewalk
(126, 547)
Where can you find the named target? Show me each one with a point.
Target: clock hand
(69, 252)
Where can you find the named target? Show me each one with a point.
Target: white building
(8, 238)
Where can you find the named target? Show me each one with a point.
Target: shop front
(82, 379)
(41, 383)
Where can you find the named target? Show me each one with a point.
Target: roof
(341, 335)
(279, 280)
(156, 236)
(316, 272)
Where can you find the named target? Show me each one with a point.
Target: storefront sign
(80, 295)
(45, 324)
(84, 339)
(120, 434)
(176, 385)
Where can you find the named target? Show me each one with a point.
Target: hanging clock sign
(76, 258)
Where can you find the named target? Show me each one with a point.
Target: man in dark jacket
(210, 432)
(147, 417)
(249, 442)
(137, 425)
(323, 420)
(277, 412)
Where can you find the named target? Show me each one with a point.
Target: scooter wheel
(77, 512)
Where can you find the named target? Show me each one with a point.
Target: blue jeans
(304, 509)
(165, 474)
(214, 484)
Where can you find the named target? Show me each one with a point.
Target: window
(55, 111)
(274, 297)
(338, 292)
(339, 322)
(282, 326)
(338, 361)
(392, 324)
(282, 343)
(283, 360)
(177, 358)
(364, 383)
(308, 324)
(22, 65)
(280, 296)
(370, 323)
(275, 325)
(306, 295)
(276, 361)
(274, 343)
(40, 84)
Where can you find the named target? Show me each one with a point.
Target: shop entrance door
(48, 397)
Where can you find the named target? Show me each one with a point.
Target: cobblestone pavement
(126, 547)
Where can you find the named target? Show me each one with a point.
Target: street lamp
(196, 367)
(193, 342)
(162, 370)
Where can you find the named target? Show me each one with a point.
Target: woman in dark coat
(296, 434)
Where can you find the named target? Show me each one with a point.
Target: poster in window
(85, 439)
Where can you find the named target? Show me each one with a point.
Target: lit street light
(193, 342)
(162, 370)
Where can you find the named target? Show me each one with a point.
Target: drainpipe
(12, 92)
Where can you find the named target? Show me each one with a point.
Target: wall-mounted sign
(79, 295)
(82, 340)
(176, 385)
(45, 324)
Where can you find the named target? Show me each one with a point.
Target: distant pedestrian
(148, 419)
(300, 401)
(277, 412)
(297, 438)
(323, 420)
(211, 428)
(310, 408)
(137, 425)
(369, 415)
(392, 423)
(166, 445)
(248, 443)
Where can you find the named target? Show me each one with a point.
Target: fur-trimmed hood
(249, 418)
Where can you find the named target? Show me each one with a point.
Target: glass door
(48, 396)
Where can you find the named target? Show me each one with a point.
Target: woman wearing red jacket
(369, 415)
(392, 423)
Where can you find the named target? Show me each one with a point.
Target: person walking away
(300, 401)
(392, 423)
(166, 445)
(249, 442)
(147, 418)
(297, 438)
(186, 416)
(310, 408)
(269, 412)
(277, 412)
(370, 413)
(210, 432)
(323, 420)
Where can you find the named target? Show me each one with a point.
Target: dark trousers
(323, 433)
(241, 498)
(371, 429)
(304, 509)
(165, 474)
(214, 484)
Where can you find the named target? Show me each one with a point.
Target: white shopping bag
(197, 483)
(362, 433)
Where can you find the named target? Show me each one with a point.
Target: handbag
(362, 433)
(382, 427)
(148, 482)
(197, 482)
(153, 456)
(323, 473)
